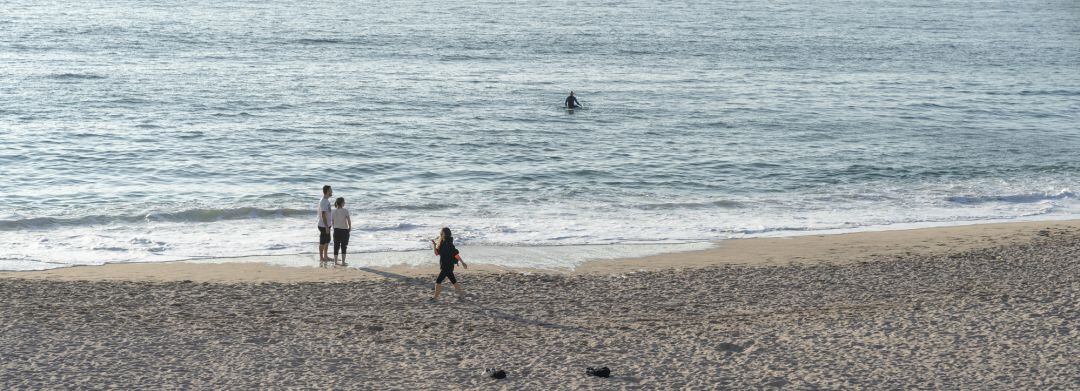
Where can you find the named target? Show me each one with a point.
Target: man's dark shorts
(324, 235)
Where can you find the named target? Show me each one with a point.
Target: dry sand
(993, 306)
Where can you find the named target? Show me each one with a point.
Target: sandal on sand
(495, 373)
(598, 372)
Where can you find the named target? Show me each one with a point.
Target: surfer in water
(572, 102)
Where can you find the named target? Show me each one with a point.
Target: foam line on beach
(761, 251)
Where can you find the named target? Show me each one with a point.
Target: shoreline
(811, 248)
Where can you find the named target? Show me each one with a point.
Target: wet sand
(994, 306)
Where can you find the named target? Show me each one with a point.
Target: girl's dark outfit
(447, 258)
(341, 240)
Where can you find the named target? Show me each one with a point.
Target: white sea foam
(545, 240)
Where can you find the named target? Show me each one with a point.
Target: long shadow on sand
(477, 308)
(394, 276)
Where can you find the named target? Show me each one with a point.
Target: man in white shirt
(324, 223)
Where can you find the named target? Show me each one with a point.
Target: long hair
(445, 236)
(339, 202)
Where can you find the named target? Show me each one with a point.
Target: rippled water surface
(159, 130)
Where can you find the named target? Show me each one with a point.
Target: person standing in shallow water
(342, 227)
(325, 222)
(572, 102)
(448, 257)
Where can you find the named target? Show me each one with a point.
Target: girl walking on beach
(342, 227)
(448, 257)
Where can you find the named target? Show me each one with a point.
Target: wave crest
(1025, 198)
(75, 76)
(191, 215)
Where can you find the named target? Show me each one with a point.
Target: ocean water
(143, 131)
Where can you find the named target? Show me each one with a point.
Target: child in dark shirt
(448, 257)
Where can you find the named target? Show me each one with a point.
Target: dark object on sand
(495, 373)
(598, 372)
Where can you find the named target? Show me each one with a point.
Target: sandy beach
(990, 306)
